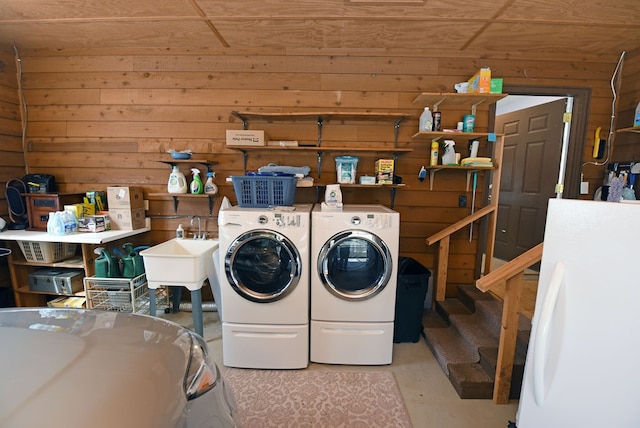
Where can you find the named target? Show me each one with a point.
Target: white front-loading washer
(354, 264)
(264, 286)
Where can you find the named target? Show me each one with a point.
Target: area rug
(317, 398)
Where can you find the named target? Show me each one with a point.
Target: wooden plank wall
(627, 145)
(100, 118)
(11, 153)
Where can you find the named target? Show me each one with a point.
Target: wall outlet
(584, 188)
(462, 201)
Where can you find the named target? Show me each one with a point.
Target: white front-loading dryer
(354, 258)
(264, 286)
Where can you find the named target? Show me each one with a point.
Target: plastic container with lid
(346, 167)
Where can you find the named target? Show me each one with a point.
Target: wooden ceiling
(563, 28)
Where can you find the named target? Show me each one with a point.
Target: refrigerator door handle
(543, 332)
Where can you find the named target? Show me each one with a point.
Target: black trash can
(413, 282)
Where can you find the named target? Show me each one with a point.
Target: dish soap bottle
(210, 187)
(180, 232)
(177, 182)
(196, 184)
(426, 121)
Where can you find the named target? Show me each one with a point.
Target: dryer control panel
(372, 221)
(280, 219)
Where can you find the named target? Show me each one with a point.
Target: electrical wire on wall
(615, 86)
(23, 110)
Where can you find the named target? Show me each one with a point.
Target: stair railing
(512, 274)
(444, 238)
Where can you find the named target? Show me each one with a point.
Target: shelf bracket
(474, 107)
(210, 205)
(245, 156)
(437, 104)
(320, 123)
(175, 205)
(432, 177)
(393, 197)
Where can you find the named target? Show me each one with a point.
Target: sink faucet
(200, 235)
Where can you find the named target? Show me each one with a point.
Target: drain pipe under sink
(206, 307)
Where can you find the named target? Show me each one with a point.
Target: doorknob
(503, 230)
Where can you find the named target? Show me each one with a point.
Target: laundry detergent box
(384, 171)
(480, 83)
(94, 223)
(245, 137)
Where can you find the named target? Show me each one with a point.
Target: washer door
(262, 266)
(355, 265)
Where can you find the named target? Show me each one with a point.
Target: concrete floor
(429, 397)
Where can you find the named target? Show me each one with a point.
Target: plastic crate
(117, 294)
(46, 252)
(262, 191)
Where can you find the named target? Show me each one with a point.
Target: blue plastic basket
(260, 191)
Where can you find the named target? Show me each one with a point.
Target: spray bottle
(177, 183)
(196, 184)
(449, 155)
(210, 187)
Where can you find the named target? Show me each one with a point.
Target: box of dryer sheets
(384, 171)
(94, 223)
(480, 83)
(245, 137)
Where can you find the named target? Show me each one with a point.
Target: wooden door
(530, 166)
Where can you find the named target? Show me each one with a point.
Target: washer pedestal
(351, 343)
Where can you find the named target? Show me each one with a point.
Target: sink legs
(196, 306)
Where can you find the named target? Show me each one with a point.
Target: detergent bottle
(210, 187)
(196, 184)
(177, 182)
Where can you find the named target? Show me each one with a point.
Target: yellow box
(81, 210)
(480, 83)
(384, 171)
(245, 137)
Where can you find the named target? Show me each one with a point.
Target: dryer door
(262, 266)
(355, 265)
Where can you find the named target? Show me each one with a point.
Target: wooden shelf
(437, 135)
(177, 196)
(469, 169)
(321, 149)
(456, 100)
(633, 129)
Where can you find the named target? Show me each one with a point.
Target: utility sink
(183, 262)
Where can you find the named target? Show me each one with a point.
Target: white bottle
(449, 156)
(180, 232)
(210, 187)
(426, 121)
(177, 183)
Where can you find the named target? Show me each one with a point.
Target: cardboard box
(384, 171)
(94, 223)
(125, 197)
(127, 219)
(496, 86)
(81, 210)
(245, 137)
(480, 83)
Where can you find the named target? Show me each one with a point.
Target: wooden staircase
(464, 334)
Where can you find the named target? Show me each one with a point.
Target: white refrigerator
(583, 362)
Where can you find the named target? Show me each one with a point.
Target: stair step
(471, 381)
(464, 332)
(475, 330)
(449, 347)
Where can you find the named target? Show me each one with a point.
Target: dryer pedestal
(260, 346)
(351, 343)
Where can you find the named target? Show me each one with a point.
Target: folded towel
(296, 170)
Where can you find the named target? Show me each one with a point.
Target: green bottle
(196, 184)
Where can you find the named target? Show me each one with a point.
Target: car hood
(91, 368)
